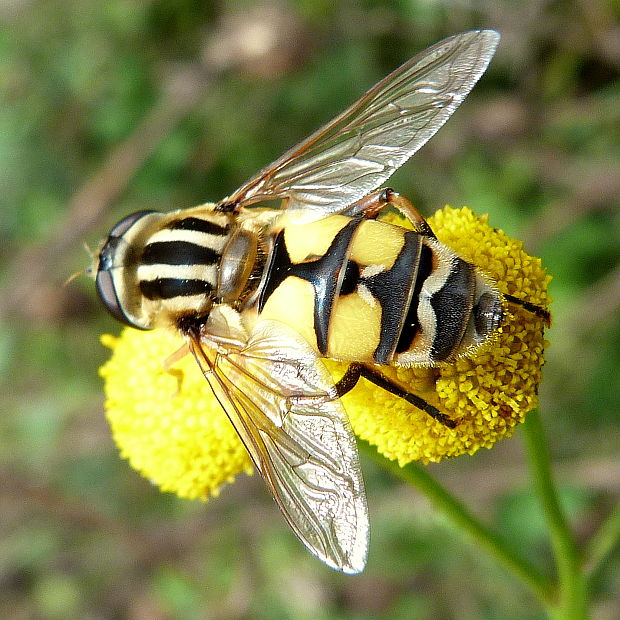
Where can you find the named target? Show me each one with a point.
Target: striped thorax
(155, 270)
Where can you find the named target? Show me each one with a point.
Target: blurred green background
(110, 107)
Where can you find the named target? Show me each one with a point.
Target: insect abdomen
(367, 291)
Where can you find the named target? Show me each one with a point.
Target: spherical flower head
(171, 428)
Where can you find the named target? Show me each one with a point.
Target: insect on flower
(262, 294)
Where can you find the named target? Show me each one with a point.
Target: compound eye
(107, 293)
(127, 222)
(110, 267)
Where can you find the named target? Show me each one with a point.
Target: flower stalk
(456, 512)
(602, 544)
(571, 601)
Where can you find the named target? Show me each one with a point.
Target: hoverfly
(262, 294)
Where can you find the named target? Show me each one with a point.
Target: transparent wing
(282, 402)
(363, 146)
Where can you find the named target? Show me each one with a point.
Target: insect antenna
(74, 276)
(89, 271)
(530, 307)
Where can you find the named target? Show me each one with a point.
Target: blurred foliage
(537, 146)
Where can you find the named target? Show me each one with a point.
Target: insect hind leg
(356, 371)
(543, 313)
(370, 206)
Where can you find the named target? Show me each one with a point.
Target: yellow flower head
(175, 433)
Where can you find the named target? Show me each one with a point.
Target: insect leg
(171, 360)
(356, 371)
(533, 308)
(178, 355)
(370, 206)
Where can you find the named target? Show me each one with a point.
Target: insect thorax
(164, 268)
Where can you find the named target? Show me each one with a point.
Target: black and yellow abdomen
(367, 291)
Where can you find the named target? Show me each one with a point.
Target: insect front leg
(356, 371)
(171, 360)
(370, 206)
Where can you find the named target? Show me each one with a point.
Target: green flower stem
(602, 543)
(572, 596)
(417, 476)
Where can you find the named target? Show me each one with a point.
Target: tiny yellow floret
(173, 431)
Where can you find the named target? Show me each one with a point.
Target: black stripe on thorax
(167, 288)
(452, 305)
(178, 253)
(198, 225)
